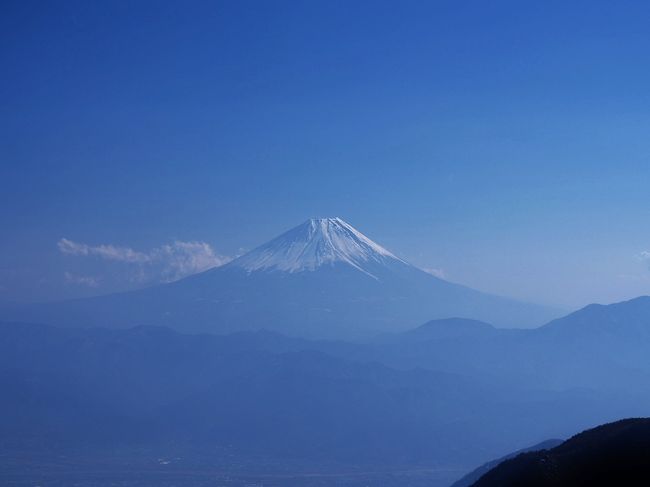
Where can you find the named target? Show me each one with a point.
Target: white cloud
(182, 259)
(166, 263)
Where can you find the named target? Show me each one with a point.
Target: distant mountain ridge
(321, 279)
(600, 346)
(258, 393)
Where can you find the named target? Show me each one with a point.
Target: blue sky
(503, 143)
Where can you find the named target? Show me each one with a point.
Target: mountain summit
(322, 279)
(315, 243)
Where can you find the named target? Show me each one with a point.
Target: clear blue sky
(506, 144)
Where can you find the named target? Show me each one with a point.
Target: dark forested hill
(613, 454)
(474, 475)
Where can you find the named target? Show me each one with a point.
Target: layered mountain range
(445, 396)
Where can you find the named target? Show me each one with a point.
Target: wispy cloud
(166, 263)
(109, 252)
(439, 273)
(88, 281)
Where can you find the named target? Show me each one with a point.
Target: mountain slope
(613, 454)
(476, 474)
(320, 279)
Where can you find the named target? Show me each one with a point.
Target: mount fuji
(316, 243)
(321, 279)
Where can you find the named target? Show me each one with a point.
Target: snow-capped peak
(317, 242)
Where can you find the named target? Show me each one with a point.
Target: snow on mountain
(315, 243)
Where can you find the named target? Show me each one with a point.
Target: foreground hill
(323, 278)
(613, 454)
(477, 473)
